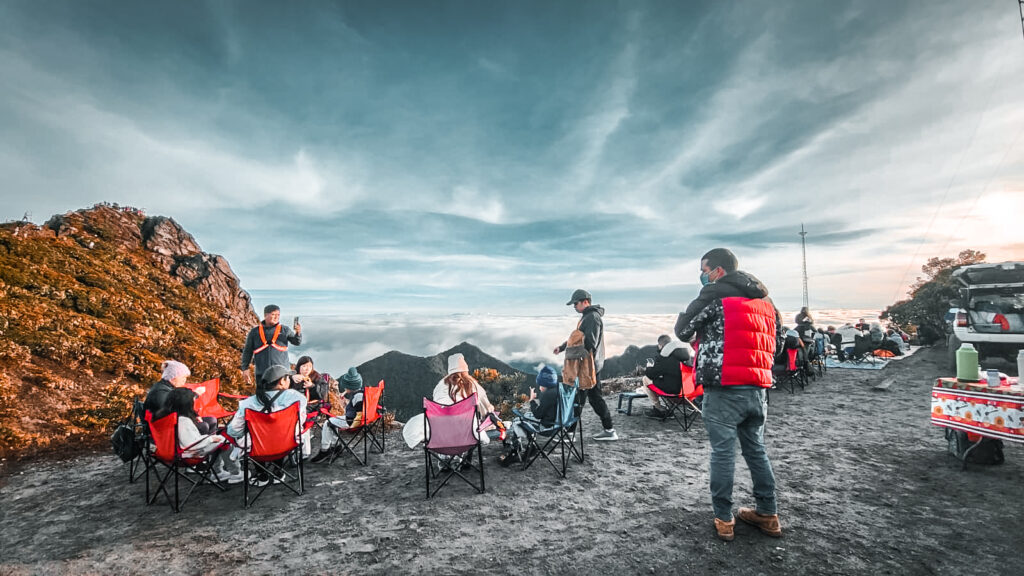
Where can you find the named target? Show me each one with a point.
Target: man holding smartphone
(267, 343)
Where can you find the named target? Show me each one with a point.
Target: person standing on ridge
(592, 328)
(738, 330)
(267, 343)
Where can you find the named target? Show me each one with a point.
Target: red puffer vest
(748, 347)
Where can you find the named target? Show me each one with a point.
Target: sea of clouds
(338, 341)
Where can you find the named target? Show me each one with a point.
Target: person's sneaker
(607, 436)
(260, 480)
(233, 478)
(656, 413)
(725, 529)
(321, 456)
(769, 524)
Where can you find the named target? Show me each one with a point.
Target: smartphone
(295, 321)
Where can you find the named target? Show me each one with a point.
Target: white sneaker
(236, 478)
(607, 436)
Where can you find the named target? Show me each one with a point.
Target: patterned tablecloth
(971, 407)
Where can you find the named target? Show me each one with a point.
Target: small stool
(628, 397)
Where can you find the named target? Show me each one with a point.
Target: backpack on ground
(124, 443)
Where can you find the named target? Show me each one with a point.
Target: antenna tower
(1020, 6)
(803, 250)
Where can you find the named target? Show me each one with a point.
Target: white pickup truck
(990, 312)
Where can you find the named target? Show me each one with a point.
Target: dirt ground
(864, 485)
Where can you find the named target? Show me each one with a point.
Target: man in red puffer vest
(738, 331)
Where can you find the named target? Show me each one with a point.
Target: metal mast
(803, 250)
(1020, 6)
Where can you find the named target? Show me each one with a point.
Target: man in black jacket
(593, 341)
(666, 373)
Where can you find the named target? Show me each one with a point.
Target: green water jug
(967, 363)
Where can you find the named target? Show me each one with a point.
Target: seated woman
(457, 385)
(174, 376)
(273, 394)
(181, 401)
(351, 384)
(665, 373)
(308, 381)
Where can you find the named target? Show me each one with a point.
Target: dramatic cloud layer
(490, 157)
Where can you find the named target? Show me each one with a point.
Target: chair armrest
(235, 396)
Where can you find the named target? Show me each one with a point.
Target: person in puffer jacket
(737, 331)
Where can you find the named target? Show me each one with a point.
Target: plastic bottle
(967, 363)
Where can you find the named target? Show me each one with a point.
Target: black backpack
(124, 443)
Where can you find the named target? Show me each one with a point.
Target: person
(175, 374)
(543, 407)
(181, 401)
(805, 327)
(665, 372)
(274, 393)
(456, 385)
(862, 325)
(308, 381)
(351, 383)
(733, 307)
(591, 326)
(876, 335)
(267, 344)
(836, 340)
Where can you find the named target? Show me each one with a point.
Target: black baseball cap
(579, 295)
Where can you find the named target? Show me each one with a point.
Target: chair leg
(480, 460)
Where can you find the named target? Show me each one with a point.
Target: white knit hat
(173, 369)
(457, 363)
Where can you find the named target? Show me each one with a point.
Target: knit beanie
(547, 377)
(174, 369)
(457, 363)
(351, 380)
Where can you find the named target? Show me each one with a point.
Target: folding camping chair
(562, 435)
(682, 406)
(366, 432)
(208, 397)
(273, 439)
(451, 436)
(164, 452)
(818, 359)
(791, 373)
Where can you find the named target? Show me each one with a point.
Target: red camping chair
(365, 432)
(451, 434)
(271, 440)
(682, 405)
(792, 373)
(208, 399)
(164, 452)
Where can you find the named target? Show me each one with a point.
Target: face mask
(705, 278)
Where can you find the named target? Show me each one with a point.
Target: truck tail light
(961, 319)
(1004, 324)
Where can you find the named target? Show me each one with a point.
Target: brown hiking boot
(725, 529)
(768, 524)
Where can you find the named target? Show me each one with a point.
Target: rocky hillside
(408, 379)
(90, 304)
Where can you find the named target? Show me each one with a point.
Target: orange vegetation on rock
(88, 311)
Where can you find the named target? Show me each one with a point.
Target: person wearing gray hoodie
(592, 327)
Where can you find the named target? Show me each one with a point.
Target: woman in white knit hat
(459, 385)
(456, 385)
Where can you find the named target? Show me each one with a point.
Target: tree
(930, 296)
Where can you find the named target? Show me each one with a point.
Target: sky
(481, 157)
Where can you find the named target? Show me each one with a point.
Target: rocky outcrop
(173, 248)
(91, 304)
(208, 274)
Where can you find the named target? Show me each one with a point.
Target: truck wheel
(952, 345)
